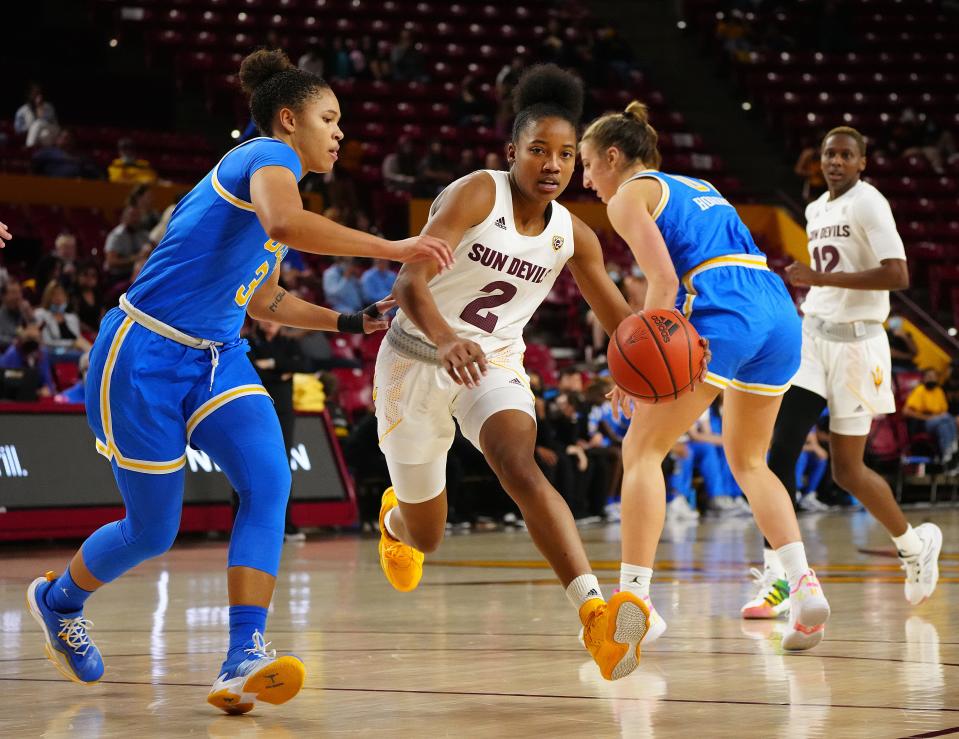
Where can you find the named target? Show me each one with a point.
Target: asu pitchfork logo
(877, 377)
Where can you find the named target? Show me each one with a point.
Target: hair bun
(637, 111)
(260, 66)
(547, 84)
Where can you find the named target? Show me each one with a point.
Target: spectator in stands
(928, 403)
(341, 285)
(125, 245)
(466, 164)
(313, 61)
(809, 168)
(61, 263)
(902, 347)
(469, 108)
(377, 282)
(951, 388)
(87, 300)
(405, 60)
(25, 353)
(493, 160)
(612, 52)
(934, 143)
(379, 60)
(399, 167)
(359, 67)
(15, 313)
(128, 168)
(159, 230)
(75, 393)
(435, 171)
(552, 48)
(508, 76)
(338, 60)
(60, 158)
(59, 328)
(36, 117)
(141, 198)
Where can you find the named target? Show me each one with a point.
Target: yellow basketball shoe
(612, 632)
(401, 563)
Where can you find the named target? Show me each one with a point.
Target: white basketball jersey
(852, 233)
(499, 277)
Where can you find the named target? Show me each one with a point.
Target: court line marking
(930, 734)
(537, 696)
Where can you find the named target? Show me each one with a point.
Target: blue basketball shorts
(145, 394)
(746, 313)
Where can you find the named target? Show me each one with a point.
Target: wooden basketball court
(487, 645)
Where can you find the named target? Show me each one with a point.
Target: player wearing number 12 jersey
(857, 257)
(455, 352)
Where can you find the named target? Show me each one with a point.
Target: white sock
(635, 579)
(771, 562)
(908, 543)
(793, 558)
(386, 524)
(582, 589)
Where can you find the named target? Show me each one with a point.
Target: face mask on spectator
(931, 384)
(895, 323)
(58, 307)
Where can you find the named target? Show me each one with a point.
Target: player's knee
(743, 464)
(154, 539)
(517, 471)
(846, 475)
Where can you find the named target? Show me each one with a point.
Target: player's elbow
(899, 274)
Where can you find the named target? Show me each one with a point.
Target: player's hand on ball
(707, 358)
(5, 235)
(801, 275)
(423, 248)
(464, 360)
(621, 401)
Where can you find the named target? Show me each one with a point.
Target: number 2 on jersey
(487, 321)
(825, 254)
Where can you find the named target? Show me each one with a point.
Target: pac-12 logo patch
(558, 242)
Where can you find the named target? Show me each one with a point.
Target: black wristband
(350, 323)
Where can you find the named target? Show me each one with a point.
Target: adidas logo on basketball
(666, 327)
(501, 223)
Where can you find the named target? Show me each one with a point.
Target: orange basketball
(655, 355)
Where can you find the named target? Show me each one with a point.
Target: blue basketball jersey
(697, 223)
(215, 253)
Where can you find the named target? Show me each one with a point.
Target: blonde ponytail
(629, 132)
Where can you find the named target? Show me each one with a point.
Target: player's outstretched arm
(272, 303)
(588, 268)
(629, 212)
(278, 205)
(461, 206)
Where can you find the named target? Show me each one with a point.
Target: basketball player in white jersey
(857, 258)
(455, 351)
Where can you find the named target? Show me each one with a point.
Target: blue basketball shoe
(255, 674)
(68, 644)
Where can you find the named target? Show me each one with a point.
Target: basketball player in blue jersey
(169, 369)
(699, 257)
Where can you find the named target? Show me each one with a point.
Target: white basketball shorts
(855, 378)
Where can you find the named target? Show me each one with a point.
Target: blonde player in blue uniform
(699, 257)
(169, 369)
